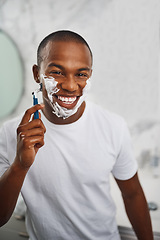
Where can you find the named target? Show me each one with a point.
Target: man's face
(70, 64)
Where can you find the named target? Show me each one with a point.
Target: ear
(35, 70)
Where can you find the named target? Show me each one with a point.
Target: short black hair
(62, 35)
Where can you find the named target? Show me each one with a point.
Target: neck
(47, 111)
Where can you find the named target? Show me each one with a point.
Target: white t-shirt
(67, 189)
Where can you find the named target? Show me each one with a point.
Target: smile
(67, 100)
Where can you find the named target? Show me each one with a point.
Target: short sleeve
(4, 162)
(126, 165)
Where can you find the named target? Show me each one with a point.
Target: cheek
(82, 84)
(44, 92)
(50, 85)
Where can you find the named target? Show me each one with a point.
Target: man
(65, 182)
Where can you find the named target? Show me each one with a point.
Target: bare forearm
(10, 186)
(30, 137)
(138, 214)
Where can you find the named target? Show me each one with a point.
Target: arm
(136, 207)
(30, 137)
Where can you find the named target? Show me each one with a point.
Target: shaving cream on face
(51, 88)
(50, 85)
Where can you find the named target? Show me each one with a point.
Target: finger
(32, 132)
(30, 142)
(29, 112)
(36, 123)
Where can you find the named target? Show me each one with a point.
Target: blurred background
(125, 40)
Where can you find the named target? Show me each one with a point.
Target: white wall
(124, 37)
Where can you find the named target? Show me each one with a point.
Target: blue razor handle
(35, 101)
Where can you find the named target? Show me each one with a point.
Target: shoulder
(109, 126)
(10, 126)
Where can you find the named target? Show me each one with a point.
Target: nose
(70, 84)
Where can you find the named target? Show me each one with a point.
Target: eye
(56, 72)
(82, 75)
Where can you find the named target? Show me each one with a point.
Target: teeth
(67, 100)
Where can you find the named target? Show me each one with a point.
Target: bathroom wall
(124, 38)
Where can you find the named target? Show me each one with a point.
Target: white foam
(51, 88)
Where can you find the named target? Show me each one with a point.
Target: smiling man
(65, 182)
(66, 60)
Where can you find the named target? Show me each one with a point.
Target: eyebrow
(84, 69)
(62, 68)
(56, 65)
